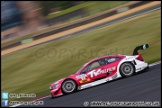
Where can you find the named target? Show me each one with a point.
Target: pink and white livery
(101, 70)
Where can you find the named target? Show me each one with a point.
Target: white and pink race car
(101, 70)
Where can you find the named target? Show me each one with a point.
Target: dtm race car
(101, 70)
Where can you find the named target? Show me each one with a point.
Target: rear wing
(141, 47)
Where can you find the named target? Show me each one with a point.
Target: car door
(93, 71)
(111, 65)
(96, 70)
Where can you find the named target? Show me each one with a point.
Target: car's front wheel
(127, 69)
(68, 86)
(52, 97)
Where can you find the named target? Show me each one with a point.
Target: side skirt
(104, 80)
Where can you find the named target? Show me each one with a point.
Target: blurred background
(22, 17)
(19, 18)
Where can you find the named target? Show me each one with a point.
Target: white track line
(150, 65)
(153, 64)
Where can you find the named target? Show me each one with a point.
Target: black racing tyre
(68, 86)
(127, 69)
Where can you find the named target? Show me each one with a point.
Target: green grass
(32, 70)
(91, 7)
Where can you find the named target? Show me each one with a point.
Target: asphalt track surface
(144, 11)
(144, 86)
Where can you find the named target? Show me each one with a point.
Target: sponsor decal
(85, 80)
(95, 73)
(82, 76)
(99, 71)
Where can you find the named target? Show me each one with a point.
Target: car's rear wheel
(127, 69)
(68, 86)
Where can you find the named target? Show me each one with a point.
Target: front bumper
(56, 92)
